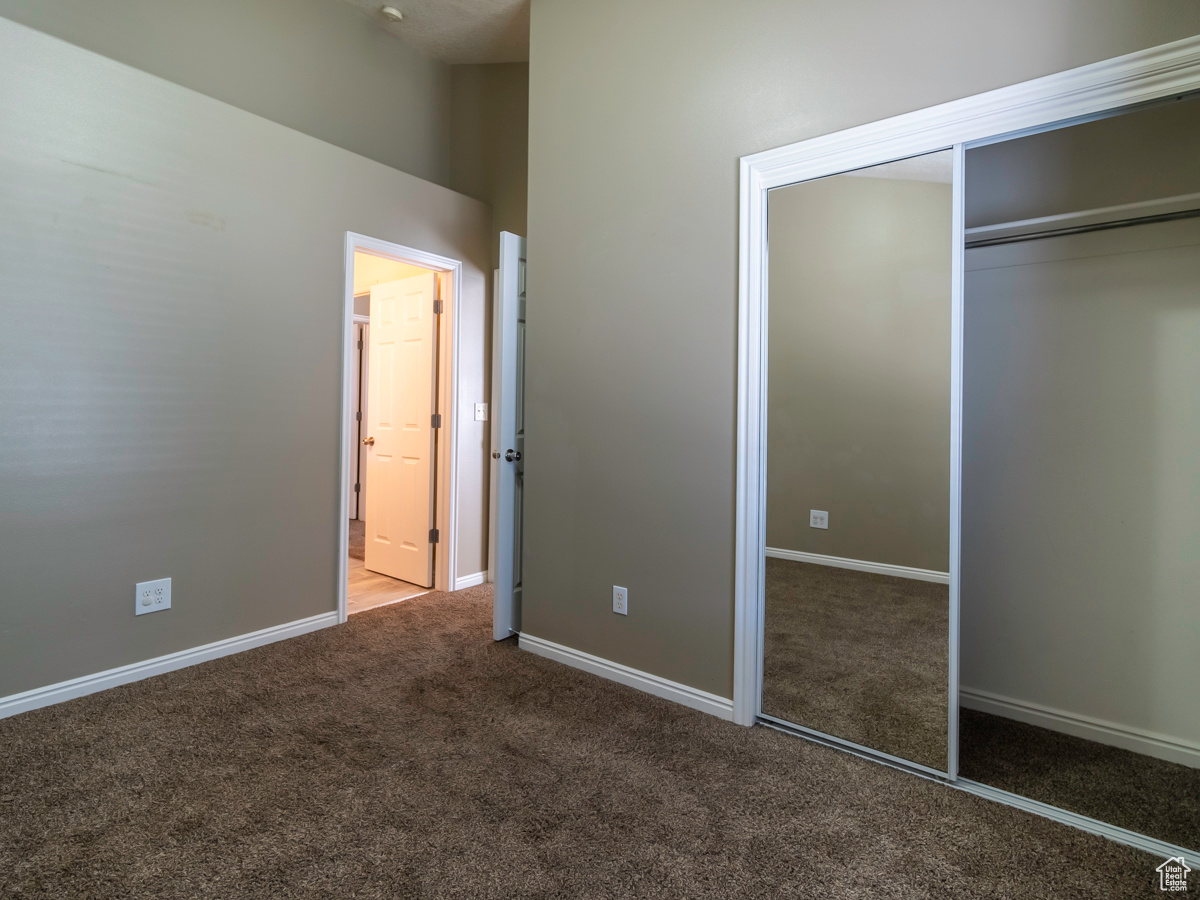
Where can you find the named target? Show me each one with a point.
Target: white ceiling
(459, 31)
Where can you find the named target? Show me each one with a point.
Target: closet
(970, 477)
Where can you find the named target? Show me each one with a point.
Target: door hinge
(358, 416)
(360, 343)
(436, 420)
(356, 489)
(433, 535)
(437, 307)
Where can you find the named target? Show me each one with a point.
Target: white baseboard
(466, 581)
(859, 565)
(90, 684)
(720, 707)
(1148, 743)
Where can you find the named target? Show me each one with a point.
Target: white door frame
(446, 552)
(1076, 95)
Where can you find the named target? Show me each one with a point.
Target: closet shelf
(1166, 209)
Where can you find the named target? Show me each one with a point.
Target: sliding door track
(1142, 842)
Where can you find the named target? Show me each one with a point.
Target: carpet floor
(404, 754)
(1124, 788)
(358, 538)
(860, 656)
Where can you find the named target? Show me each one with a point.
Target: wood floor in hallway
(367, 590)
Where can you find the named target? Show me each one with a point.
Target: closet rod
(1083, 229)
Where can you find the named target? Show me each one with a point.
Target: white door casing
(508, 434)
(401, 402)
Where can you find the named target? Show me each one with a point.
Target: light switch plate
(480, 412)
(152, 596)
(818, 518)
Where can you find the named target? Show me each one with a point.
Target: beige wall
(638, 114)
(489, 141)
(319, 66)
(1081, 476)
(859, 369)
(171, 279)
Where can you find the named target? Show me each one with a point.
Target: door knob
(513, 455)
(369, 440)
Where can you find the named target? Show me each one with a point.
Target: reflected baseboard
(859, 565)
(1148, 743)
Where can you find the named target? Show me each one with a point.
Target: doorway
(397, 525)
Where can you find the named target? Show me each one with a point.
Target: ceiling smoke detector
(391, 13)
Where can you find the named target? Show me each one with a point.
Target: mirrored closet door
(1080, 605)
(856, 624)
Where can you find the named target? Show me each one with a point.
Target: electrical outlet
(818, 518)
(480, 412)
(620, 600)
(152, 596)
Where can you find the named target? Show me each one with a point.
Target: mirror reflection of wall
(1081, 471)
(856, 619)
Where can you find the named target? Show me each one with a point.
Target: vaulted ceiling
(459, 31)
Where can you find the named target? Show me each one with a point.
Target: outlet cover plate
(818, 518)
(620, 600)
(152, 596)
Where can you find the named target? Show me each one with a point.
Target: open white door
(508, 433)
(400, 434)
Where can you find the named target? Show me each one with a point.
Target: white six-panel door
(400, 434)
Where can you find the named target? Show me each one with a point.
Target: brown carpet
(358, 539)
(859, 656)
(1137, 792)
(405, 754)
